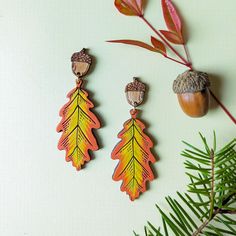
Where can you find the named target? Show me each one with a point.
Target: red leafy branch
(168, 37)
(173, 35)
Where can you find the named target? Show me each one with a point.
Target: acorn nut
(192, 90)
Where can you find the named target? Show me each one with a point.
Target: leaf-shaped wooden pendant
(77, 124)
(134, 155)
(78, 121)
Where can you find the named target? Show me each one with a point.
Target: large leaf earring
(133, 151)
(78, 121)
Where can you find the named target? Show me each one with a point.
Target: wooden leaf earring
(78, 121)
(133, 151)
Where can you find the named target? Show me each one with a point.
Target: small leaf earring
(78, 121)
(133, 151)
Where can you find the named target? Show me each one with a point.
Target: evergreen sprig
(209, 206)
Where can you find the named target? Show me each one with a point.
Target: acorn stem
(172, 59)
(223, 107)
(188, 56)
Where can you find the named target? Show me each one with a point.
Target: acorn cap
(81, 57)
(191, 82)
(135, 86)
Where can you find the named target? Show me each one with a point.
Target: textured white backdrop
(41, 194)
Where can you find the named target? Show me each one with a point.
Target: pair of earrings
(78, 122)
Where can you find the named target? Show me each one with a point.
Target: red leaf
(158, 45)
(172, 18)
(135, 43)
(130, 7)
(172, 37)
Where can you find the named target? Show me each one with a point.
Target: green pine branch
(209, 207)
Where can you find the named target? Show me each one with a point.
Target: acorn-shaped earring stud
(81, 63)
(192, 90)
(135, 92)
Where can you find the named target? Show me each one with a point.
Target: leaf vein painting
(76, 126)
(134, 155)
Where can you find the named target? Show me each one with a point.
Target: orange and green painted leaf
(134, 155)
(76, 127)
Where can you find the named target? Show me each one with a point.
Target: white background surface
(41, 194)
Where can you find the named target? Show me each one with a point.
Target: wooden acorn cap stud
(191, 88)
(135, 92)
(81, 63)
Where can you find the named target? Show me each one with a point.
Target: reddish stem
(186, 63)
(172, 59)
(223, 107)
(187, 55)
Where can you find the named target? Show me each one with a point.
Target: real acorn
(192, 90)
